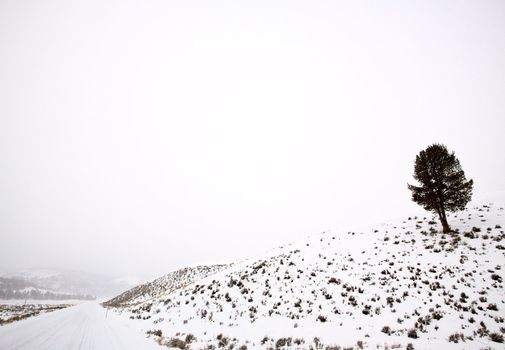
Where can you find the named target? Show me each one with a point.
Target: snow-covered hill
(164, 285)
(403, 284)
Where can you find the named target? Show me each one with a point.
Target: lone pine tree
(443, 185)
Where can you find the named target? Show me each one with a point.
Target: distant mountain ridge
(18, 288)
(59, 285)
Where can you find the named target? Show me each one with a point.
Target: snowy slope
(166, 284)
(384, 286)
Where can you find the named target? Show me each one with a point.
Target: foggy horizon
(135, 140)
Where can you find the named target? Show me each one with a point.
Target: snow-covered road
(84, 326)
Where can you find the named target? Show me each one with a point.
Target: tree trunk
(445, 225)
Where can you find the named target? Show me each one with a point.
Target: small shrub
(496, 337)
(412, 333)
(223, 341)
(299, 341)
(496, 277)
(492, 307)
(156, 332)
(387, 330)
(456, 337)
(177, 343)
(469, 235)
(190, 338)
(282, 342)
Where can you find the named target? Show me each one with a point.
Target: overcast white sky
(137, 137)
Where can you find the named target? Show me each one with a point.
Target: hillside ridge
(162, 285)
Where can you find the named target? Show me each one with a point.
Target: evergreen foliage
(443, 185)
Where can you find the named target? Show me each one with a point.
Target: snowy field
(40, 301)
(84, 326)
(13, 312)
